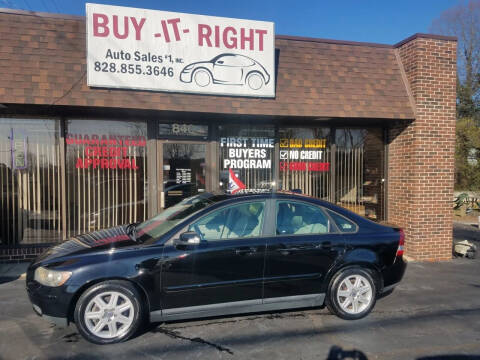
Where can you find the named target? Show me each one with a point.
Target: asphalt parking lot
(433, 314)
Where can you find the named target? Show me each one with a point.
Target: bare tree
(463, 21)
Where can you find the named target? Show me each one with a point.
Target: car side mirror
(220, 62)
(188, 238)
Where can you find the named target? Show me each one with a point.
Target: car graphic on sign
(227, 69)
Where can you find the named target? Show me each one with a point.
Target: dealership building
(93, 134)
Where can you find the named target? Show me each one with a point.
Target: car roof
(223, 198)
(220, 197)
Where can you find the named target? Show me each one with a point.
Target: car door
(227, 265)
(299, 256)
(228, 69)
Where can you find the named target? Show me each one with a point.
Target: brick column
(421, 152)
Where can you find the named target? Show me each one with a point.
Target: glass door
(183, 170)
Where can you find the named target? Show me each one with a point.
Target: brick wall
(21, 254)
(421, 153)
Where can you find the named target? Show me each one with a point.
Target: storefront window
(304, 161)
(30, 181)
(359, 171)
(246, 158)
(184, 171)
(106, 174)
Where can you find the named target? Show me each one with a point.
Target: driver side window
(239, 221)
(225, 60)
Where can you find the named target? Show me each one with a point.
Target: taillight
(401, 243)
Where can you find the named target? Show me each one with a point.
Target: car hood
(95, 241)
(207, 64)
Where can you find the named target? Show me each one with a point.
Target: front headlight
(49, 277)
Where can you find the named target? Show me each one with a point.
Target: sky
(379, 21)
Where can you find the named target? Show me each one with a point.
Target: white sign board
(166, 51)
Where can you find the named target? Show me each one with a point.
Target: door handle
(283, 249)
(287, 250)
(326, 245)
(245, 251)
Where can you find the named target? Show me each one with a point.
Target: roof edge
(41, 14)
(425, 36)
(280, 37)
(332, 41)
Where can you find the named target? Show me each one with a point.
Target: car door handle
(245, 251)
(326, 245)
(285, 249)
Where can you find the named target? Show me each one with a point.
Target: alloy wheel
(109, 315)
(354, 294)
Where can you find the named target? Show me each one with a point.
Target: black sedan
(215, 254)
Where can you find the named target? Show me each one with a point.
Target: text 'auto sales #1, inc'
(168, 51)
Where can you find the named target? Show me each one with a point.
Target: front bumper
(52, 303)
(59, 321)
(186, 76)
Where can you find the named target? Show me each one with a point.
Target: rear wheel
(352, 294)
(108, 312)
(255, 81)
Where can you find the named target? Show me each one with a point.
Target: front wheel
(352, 294)
(108, 312)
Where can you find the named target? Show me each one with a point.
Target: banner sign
(167, 51)
(305, 150)
(247, 152)
(106, 151)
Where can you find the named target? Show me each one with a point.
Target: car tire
(202, 77)
(117, 304)
(255, 80)
(352, 293)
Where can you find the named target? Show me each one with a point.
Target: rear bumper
(394, 274)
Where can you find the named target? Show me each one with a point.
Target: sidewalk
(11, 272)
(466, 231)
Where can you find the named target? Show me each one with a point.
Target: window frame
(357, 228)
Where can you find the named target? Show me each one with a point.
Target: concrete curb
(14, 270)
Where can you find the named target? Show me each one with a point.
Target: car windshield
(152, 229)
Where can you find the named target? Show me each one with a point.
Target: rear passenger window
(295, 218)
(343, 223)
